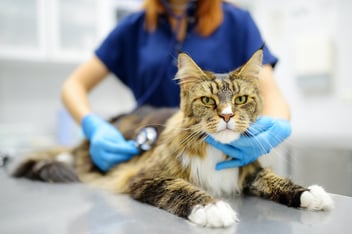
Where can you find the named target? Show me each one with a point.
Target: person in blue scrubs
(142, 53)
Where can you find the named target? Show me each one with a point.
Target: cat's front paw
(316, 199)
(218, 214)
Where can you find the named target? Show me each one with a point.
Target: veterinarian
(142, 51)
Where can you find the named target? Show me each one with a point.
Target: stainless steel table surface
(35, 208)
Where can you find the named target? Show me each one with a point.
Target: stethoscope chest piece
(146, 138)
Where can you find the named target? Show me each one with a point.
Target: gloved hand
(107, 145)
(261, 136)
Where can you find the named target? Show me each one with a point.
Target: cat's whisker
(189, 138)
(164, 125)
(275, 137)
(259, 143)
(242, 125)
(196, 135)
(249, 133)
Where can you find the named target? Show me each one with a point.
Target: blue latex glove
(261, 136)
(107, 145)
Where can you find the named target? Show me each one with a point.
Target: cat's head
(221, 105)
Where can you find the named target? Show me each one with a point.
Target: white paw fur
(316, 199)
(65, 158)
(218, 214)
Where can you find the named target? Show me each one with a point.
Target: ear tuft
(252, 67)
(183, 60)
(188, 70)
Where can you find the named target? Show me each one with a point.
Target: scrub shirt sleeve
(255, 41)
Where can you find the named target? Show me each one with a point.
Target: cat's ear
(188, 71)
(252, 67)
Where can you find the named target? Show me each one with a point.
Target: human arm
(270, 129)
(275, 104)
(77, 86)
(107, 145)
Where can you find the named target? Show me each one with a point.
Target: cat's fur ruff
(178, 174)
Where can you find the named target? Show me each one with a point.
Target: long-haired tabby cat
(178, 174)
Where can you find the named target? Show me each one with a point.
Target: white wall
(319, 150)
(317, 116)
(31, 113)
(37, 53)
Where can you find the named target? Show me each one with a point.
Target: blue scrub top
(146, 62)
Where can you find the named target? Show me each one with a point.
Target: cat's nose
(226, 117)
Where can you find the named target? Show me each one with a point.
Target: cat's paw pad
(218, 214)
(316, 199)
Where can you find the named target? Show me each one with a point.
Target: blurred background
(42, 41)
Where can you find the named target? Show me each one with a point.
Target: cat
(178, 174)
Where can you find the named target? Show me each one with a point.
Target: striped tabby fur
(178, 174)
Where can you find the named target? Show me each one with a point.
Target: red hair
(209, 15)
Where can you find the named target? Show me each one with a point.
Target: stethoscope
(147, 137)
(190, 8)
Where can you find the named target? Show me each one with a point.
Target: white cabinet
(57, 30)
(22, 28)
(73, 30)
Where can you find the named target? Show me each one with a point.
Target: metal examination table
(35, 208)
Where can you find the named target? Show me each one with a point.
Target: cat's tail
(55, 165)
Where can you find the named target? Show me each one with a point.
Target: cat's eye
(207, 100)
(240, 100)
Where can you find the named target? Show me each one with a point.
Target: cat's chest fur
(223, 183)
